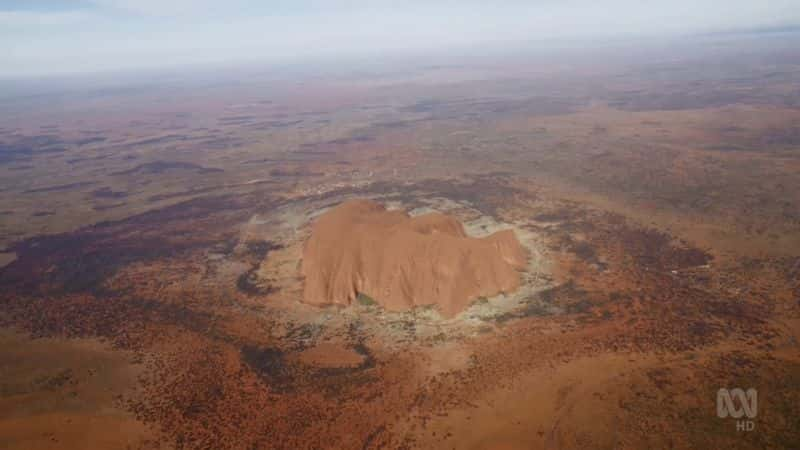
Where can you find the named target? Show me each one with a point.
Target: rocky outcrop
(401, 262)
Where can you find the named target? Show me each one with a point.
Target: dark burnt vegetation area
(58, 284)
(673, 286)
(80, 261)
(248, 282)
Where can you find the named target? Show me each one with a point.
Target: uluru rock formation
(401, 262)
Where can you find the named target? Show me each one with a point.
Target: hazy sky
(57, 36)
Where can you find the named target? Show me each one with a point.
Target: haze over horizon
(41, 37)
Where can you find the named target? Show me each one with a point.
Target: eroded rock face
(402, 261)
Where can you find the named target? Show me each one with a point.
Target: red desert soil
(400, 261)
(331, 355)
(58, 394)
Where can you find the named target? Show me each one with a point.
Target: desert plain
(153, 230)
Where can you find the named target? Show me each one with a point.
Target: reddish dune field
(547, 251)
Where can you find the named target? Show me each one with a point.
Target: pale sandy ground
(7, 258)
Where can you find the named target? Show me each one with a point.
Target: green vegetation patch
(365, 300)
